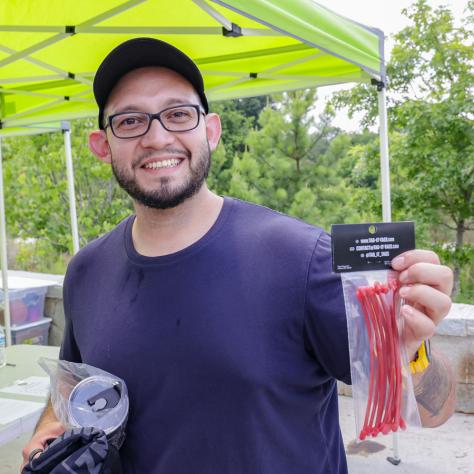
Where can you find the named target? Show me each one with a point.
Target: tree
(36, 194)
(284, 165)
(238, 118)
(438, 144)
(431, 113)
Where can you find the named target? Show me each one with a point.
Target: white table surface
(24, 360)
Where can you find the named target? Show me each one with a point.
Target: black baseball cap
(143, 52)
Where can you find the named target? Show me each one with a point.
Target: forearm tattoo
(434, 387)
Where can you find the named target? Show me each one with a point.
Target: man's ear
(99, 145)
(213, 130)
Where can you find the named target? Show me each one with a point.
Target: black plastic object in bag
(77, 451)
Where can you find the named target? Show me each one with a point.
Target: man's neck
(158, 232)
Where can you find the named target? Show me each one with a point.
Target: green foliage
(466, 287)
(284, 166)
(39, 255)
(436, 147)
(238, 118)
(36, 194)
(431, 110)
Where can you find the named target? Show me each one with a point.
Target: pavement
(448, 449)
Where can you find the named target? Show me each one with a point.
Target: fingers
(30, 449)
(39, 440)
(437, 276)
(423, 266)
(429, 301)
(406, 259)
(417, 326)
(425, 286)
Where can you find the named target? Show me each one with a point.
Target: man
(223, 317)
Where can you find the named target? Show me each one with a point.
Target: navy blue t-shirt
(230, 347)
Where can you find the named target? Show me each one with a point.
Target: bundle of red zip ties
(379, 305)
(381, 384)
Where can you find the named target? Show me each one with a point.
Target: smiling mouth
(162, 164)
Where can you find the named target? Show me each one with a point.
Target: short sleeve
(69, 350)
(325, 315)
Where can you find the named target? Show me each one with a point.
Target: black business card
(371, 246)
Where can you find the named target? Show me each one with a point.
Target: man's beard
(167, 196)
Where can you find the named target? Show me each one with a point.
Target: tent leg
(395, 459)
(386, 205)
(3, 256)
(70, 183)
(384, 157)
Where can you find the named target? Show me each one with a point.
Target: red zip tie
(361, 297)
(379, 305)
(399, 422)
(387, 420)
(375, 363)
(378, 324)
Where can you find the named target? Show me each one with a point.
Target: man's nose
(157, 136)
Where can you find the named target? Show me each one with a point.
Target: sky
(384, 15)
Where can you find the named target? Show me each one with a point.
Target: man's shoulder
(266, 222)
(102, 246)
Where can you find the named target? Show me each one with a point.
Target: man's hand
(48, 428)
(425, 286)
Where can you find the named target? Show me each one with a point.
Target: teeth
(162, 164)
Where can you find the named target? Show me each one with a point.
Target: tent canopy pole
(3, 256)
(384, 156)
(386, 200)
(65, 126)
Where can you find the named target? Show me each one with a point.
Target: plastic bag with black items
(382, 387)
(85, 396)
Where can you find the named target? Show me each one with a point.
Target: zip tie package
(382, 387)
(85, 396)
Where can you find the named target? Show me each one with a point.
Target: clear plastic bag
(85, 396)
(382, 386)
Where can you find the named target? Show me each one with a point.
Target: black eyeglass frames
(179, 118)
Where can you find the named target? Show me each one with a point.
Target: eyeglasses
(181, 118)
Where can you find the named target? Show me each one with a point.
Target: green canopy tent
(50, 49)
